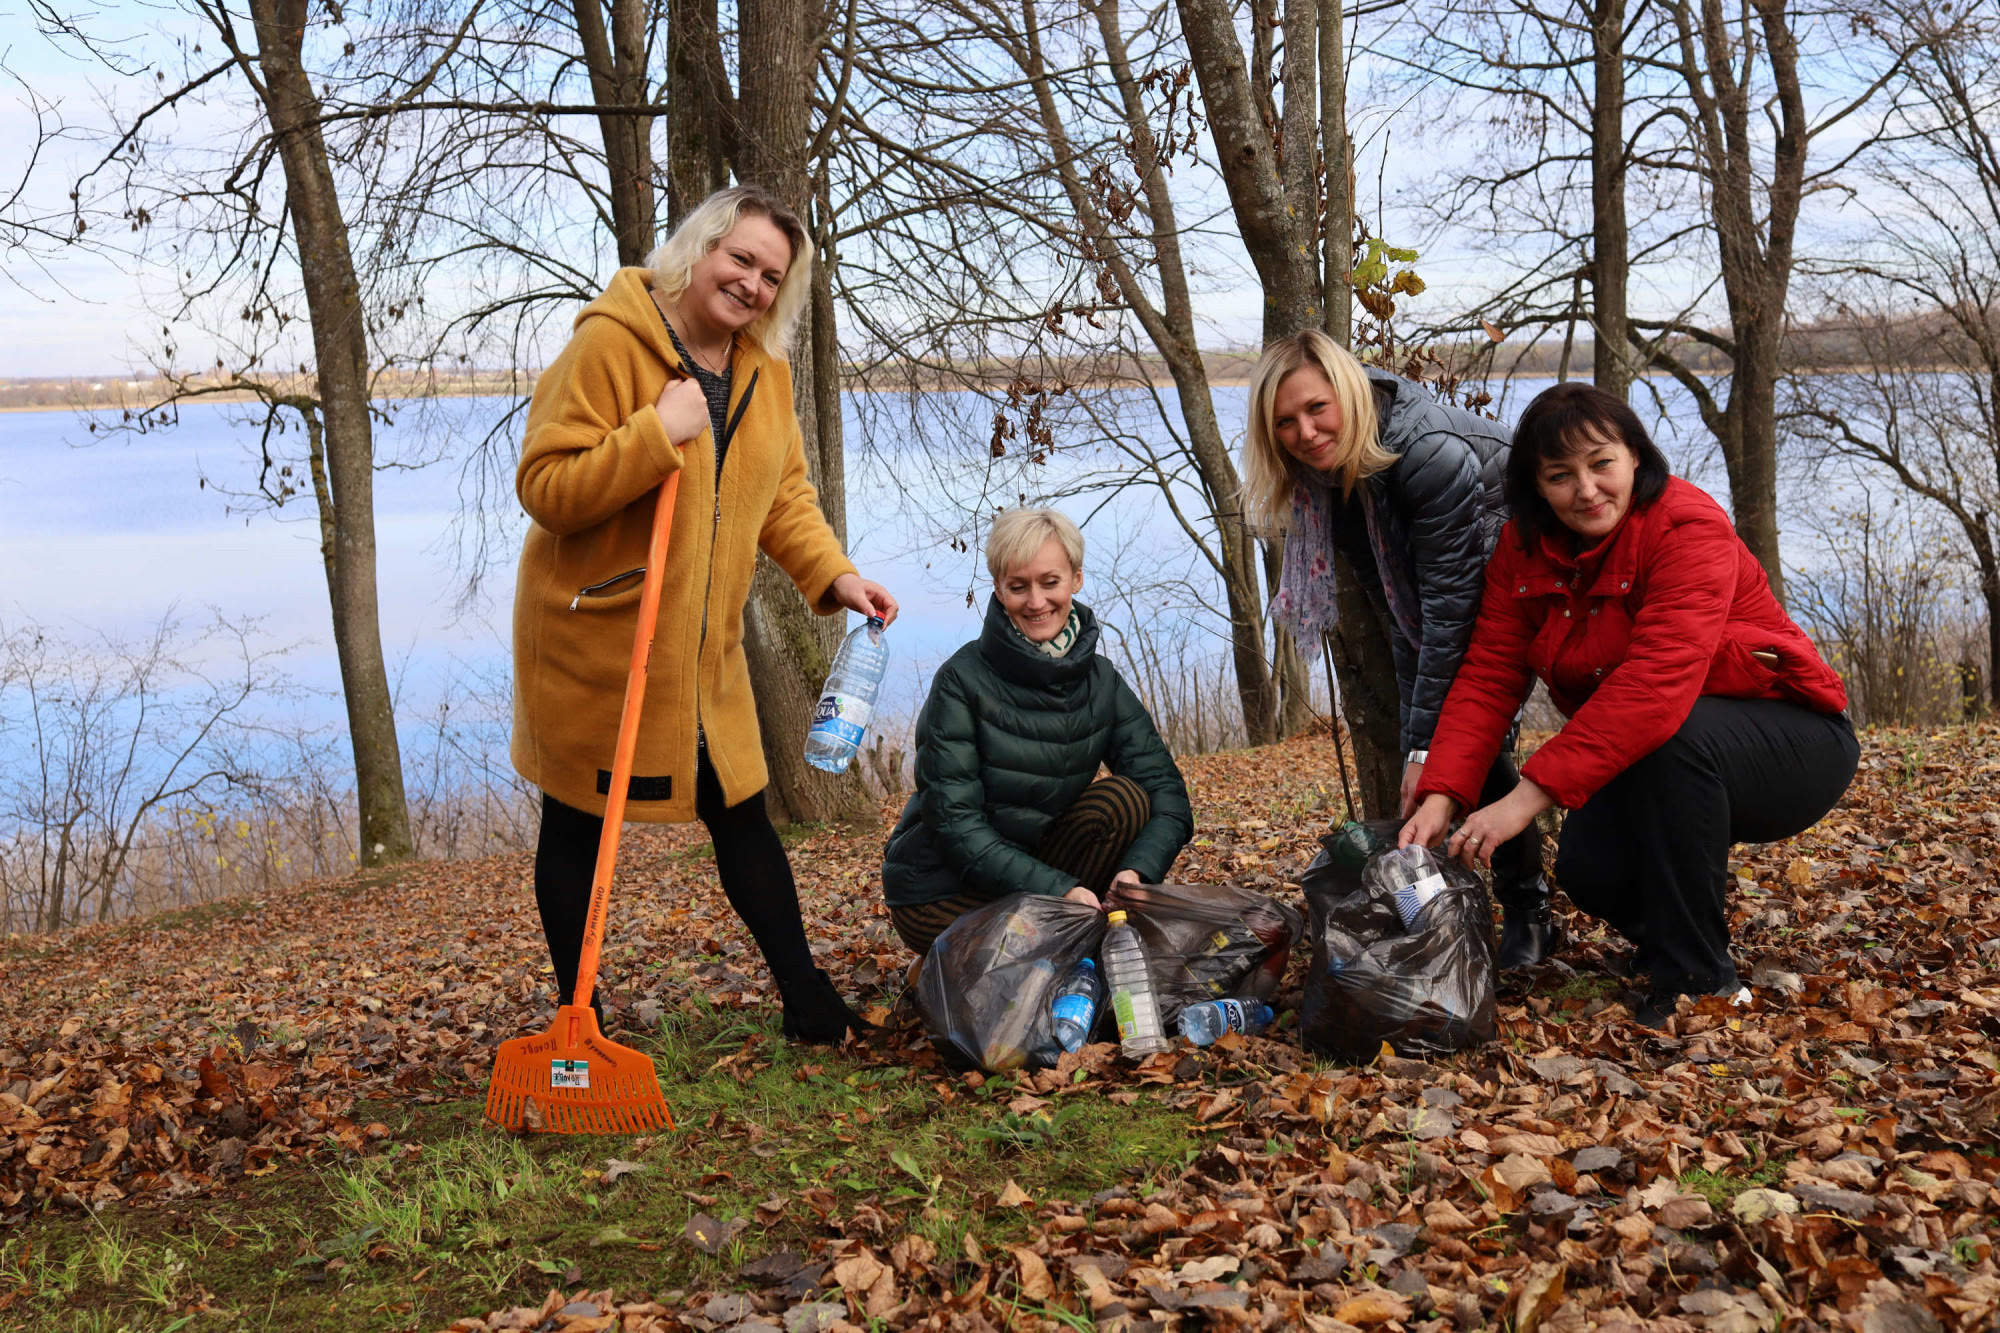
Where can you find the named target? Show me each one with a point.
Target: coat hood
(1008, 651)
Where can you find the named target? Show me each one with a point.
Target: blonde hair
(1270, 473)
(703, 229)
(1018, 535)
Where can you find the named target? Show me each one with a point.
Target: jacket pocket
(1737, 673)
(620, 590)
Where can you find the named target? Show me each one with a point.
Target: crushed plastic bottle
(1204, 1023)
(1130, 978)
(847, 702)
(1076, 1005)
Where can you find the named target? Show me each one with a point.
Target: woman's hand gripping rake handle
(628, 739)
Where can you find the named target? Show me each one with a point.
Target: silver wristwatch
(1417, 757)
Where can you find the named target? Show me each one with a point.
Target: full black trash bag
(989, 979)
(1424, 990)
(1209, 942)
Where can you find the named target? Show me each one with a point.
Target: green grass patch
(453, 1217)
(1720, 1188)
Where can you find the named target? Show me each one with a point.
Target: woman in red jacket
(1697, 714)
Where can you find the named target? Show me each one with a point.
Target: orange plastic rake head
(570, 1078)
(579, 1081)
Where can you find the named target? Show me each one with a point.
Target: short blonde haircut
(1269, 473)
(703, 229)
(1018, 536)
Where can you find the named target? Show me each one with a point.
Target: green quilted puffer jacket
(1007, 741)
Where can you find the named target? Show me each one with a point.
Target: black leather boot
(1528, 930)
(814, 1011)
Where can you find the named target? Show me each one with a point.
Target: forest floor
(266, 1114)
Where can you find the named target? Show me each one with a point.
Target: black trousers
(1649, 854)
(749, 860)
(1517, 862)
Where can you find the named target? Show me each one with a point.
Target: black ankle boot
(814, 1011)
(1528, 930)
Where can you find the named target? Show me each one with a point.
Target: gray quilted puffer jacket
(1438, 515)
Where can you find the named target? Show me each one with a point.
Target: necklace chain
(687, 345)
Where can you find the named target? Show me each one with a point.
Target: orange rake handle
(628, 740)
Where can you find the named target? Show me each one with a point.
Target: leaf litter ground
(264, 1114)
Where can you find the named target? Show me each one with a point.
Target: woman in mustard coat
(678, 365)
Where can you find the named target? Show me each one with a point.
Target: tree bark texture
(340, 346)
(1336, 156)
(698, 107)
(789, 648)
(616, 61)
(1370, 698)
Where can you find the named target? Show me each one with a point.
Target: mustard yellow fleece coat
(592, 461)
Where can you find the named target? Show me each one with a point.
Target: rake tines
(582, 1085)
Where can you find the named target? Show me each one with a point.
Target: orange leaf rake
(572, 1078)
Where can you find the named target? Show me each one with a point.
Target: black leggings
(749, 860)
(1649, 854)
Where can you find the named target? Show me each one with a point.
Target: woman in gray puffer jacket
(1345, 457)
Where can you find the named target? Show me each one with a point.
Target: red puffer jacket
(1627, 636)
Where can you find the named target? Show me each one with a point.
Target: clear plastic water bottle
(1204, 1023)
(848, 701)
(1075, 1007)
(1130, 978)
(1413, 875)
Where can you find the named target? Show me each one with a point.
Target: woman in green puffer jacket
(1008, 748)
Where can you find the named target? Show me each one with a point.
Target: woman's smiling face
(734, 283)
(1036, 595)
(1305, 418)
(1590, 486)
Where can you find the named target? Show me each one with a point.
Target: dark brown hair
(1558, 422)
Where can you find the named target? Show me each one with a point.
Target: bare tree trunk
(1610, 257)
(790, 649)
(698, 105)
(340, 346)
(1336, 157)
(1370, 698)
(617, 65)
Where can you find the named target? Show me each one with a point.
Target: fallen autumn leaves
(1824, 1158)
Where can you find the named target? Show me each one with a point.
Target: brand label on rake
(569, 1073)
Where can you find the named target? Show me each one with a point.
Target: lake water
(108, 534)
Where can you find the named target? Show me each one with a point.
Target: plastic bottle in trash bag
(1415, 878)
(1204, 1023)
(1222, 957)
(1007, 1043)
(1131, 981)
(1075, 1007)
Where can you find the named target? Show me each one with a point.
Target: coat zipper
(593, 589)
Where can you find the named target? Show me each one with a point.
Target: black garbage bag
(1425, 987)
(1209, 942)
(989, 979)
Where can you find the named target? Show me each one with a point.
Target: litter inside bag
(1209, 942)
(1402, 952)
(989, 979)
